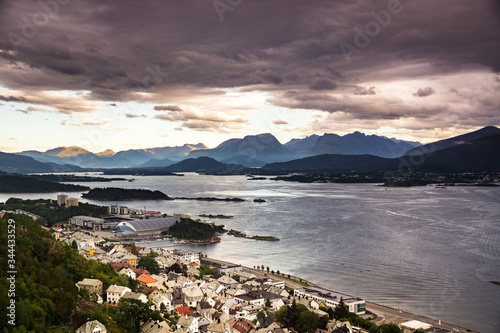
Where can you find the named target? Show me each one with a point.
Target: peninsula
(22, 184)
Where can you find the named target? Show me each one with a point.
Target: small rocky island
(211, 199)
(240, 234)
(218, 216)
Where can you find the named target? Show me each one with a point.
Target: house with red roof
(146, 279)
(184, 310)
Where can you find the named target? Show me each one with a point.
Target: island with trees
(122, 194)
(194, 231)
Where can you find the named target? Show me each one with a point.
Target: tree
(389, 328)
(205, 270)
(176, 268)
(131, 312)
(261, 314)
(341, 311)
(268, 269)
(133, 284)
(74, 245)
(272, 272)
(268, 303)
(278, 272)
(307, 322)
(133, 249)
(152, 254)
(298, 317)
(262, 267)
(150, 264)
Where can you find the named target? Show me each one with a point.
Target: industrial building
(145, 227)
(91, 223)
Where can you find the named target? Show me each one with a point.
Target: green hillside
(47, 299)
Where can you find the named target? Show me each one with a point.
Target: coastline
(385, 313)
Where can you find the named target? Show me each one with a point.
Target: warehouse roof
(146, 225)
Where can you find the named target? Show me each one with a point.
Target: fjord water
(430, 251)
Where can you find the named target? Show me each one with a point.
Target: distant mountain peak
(195, 146)
(107, 152)
(67, 151)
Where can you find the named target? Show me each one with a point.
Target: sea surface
(430, 251)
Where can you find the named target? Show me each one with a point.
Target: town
(183, 291)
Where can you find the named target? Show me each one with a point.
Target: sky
(138, 74)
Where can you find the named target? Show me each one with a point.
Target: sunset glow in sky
(138, 74)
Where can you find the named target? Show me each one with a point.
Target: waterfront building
(331, 299)
(226, 269)
(144, 227)
(412, 325)
(187, 255)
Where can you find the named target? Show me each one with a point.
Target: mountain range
(256, 150)
(351, 151)
(110, 159)
(480, 154)
(250, 151)
(13, 163)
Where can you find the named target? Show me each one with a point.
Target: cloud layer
(415, 65)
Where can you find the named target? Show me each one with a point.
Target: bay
(430, 251)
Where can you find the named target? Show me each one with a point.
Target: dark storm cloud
(323, 84)
(14, 99)
(364, 91)
(167, 108)
(424, 92)
(114, 50)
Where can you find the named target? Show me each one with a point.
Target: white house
(114, 293)
(158, 300)
(189, 323)
(93, 326)
(188, 256)
(128, 272)
(139, 296)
